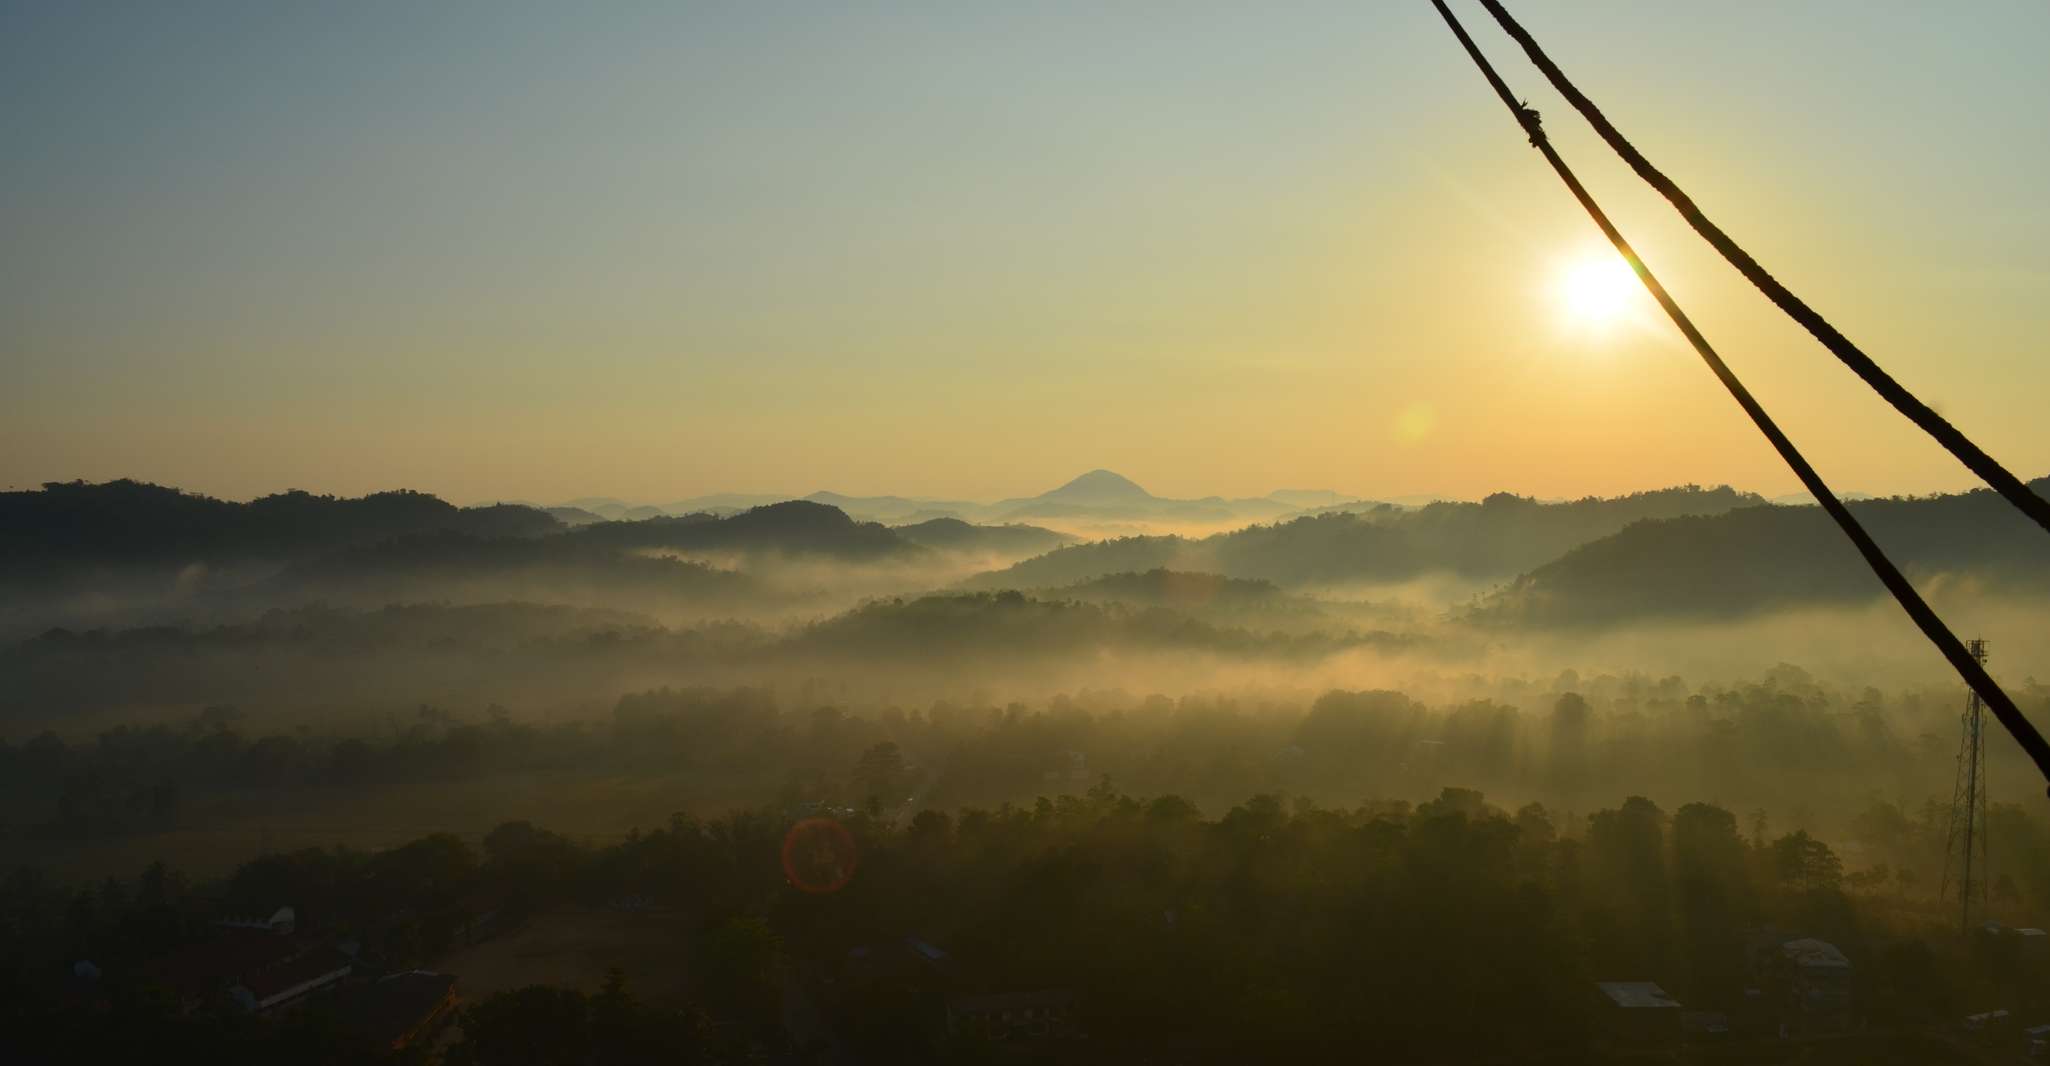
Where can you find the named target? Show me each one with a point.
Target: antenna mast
(1965, 851)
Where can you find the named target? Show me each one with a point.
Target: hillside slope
(1763, 558)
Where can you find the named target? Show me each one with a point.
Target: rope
(1952, 438)
(1932, 627)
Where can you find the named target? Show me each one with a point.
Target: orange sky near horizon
(973, 253)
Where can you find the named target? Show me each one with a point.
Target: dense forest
(1449, 930)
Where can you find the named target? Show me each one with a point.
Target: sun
(1596, 290)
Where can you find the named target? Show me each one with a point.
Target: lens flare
(819, 856)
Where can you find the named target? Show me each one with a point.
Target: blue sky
(502, 250)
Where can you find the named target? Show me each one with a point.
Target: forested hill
(124, 553)
(1498, 537)
(1012, 539)
(1763, 558)
(794, 527)
(123, 524)
(72, 528)
(801, 527)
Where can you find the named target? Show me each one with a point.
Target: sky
(545, 251)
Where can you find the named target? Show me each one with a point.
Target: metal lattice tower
(1965, 851)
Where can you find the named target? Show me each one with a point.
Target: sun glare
(1596, 291)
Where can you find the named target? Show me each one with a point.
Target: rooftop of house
(1634, 995)
(1810, 953)
(284, 977)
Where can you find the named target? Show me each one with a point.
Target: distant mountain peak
(1099, 486)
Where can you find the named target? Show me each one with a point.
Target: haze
(793, 534)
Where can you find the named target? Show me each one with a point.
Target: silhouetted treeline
(125, 523)
(1279, 930)
(1497, 538)
(73, 552)
(1824, 758)
(794, 527)
(952, 534)
(121, 524)
(124, 553)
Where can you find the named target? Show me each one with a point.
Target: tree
(1463, 801)
(929, 829)
(539, 1025)
(1569, 729)
(879, 773)
(1172, 808)
(1805, 864)
(736, 964)
(1711, 883)
(1627, 846)
(1626, 855)
(1708, 854)
(534, 866)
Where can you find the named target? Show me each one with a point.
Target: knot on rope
(1532, 124)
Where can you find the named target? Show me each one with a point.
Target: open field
(574, 949)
